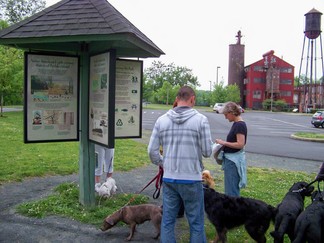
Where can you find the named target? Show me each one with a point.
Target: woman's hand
(220, 141)
(236, 145)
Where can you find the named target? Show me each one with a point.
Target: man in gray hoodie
(184, 135)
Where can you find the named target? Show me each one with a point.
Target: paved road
(7, 109)
(268, 133)
(266, 161)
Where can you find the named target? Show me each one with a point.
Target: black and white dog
(289, 209)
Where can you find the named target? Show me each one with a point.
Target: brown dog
(208, 180)
(133, 215)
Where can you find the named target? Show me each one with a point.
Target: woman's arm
(239, 144)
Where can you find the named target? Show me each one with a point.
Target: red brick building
(270, 77)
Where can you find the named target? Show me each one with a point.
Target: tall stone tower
(236, 65)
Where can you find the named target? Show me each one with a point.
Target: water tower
(311, 90)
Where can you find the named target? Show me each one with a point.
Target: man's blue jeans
(192, 196)
(231, 178)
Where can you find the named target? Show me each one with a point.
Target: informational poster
(99, 98)
(128, 102)
(51, 98)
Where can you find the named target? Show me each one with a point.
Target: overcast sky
(197, 34)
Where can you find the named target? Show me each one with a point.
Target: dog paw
(156, 237)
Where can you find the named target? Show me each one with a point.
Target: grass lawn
(19, 161)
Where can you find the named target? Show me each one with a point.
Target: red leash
(158, 183)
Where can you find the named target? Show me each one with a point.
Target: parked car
(218, 107)
(241, 109)
(318, 119)
(308, 110)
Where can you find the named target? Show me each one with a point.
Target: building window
(258, 68)
(259, 80)
(286, 81)
(286, 70)
(257, 94)
(285, 93)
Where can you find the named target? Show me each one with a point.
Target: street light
(210, 86)
(217, 75)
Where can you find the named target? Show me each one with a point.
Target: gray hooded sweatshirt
(184, 135)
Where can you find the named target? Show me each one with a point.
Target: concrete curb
(317, 140)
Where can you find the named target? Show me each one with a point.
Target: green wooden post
(86, 149)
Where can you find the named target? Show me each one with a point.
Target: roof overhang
(126, 45)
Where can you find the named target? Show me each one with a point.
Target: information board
(128, 102)
(99, 86)
(51, 98)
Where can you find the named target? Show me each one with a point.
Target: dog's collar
(299, 190)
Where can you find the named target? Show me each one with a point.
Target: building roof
(66, 24)
(271, 53)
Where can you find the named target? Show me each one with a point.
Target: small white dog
(108, 188)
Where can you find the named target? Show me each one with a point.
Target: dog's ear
(110, 221)
(311, 189)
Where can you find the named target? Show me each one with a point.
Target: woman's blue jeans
(231, 178)
(192, 196)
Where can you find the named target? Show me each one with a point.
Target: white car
(218, 107)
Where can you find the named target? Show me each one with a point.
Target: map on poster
(51, 98)
(128, 105)
(99, 98)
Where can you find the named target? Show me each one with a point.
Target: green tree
(203, 98)
(219, 93)
(16, 10)
(281, 105)
(158, 73)
(222, 94)
(233, 93)
(11, 60)
(167, 93)
(11, 75)
(301, 80)
(148, 89)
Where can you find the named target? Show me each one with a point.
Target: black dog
(309, 225)
(289, 209)
(226, 212)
